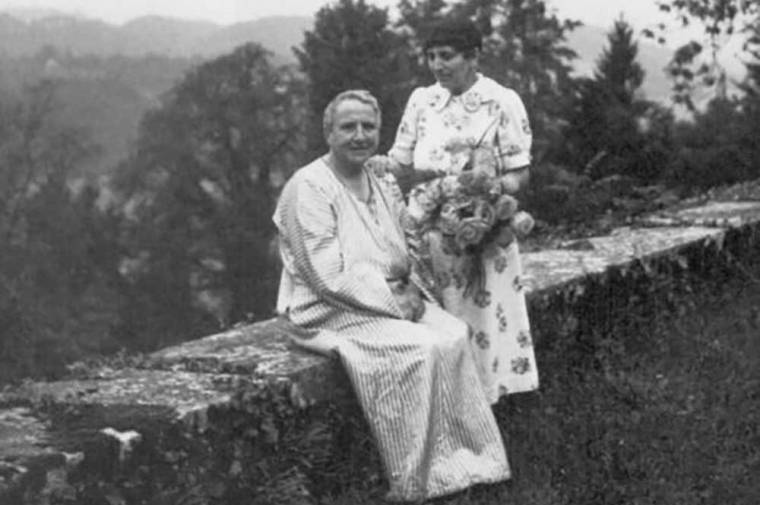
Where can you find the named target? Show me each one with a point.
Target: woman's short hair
(457, 32)
(361, 95)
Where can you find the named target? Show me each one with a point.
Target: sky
(640, 13)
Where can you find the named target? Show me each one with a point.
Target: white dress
(437, 132)
(416, 382)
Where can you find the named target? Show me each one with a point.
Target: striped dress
(416, 382)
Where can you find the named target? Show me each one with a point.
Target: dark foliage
(198, 195)
(56, 299)
(185, 247)
(611, 129)
(353, 46)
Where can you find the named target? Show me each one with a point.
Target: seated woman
(347, 279)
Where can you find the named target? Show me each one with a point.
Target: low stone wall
(243, 417)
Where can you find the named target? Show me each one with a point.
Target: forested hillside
(111, 75)
(136, 189)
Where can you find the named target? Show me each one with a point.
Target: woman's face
(450, 68)
(355, 133)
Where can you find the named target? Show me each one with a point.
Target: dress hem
(452, 489)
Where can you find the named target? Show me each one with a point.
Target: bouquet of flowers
(473, 211)
(470, 210)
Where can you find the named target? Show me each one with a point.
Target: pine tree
(604, 134)
(618, 70)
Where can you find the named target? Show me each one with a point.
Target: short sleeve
(406, 134)
(514, 135)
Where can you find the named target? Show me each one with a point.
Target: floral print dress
(439, 131)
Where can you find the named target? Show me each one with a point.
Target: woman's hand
(515, 180)
(409, 299)
(381, 164)
(406, 176)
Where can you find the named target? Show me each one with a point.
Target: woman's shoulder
(494, 91)
(426, 90)
(311, 178)
(425, 95)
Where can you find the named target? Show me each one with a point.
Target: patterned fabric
(417, 382)
(437, 132)
(437, 129)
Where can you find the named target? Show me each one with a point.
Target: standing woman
(444, 126)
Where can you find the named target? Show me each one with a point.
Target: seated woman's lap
(436, 328)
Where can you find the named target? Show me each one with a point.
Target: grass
(664, 411)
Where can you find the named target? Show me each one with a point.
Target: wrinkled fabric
(416, 382)
(437, 132)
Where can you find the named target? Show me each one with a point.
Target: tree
(605, 133)
(55, 304)
(416, 16)
(199, 192)
(617, 69)
(719, 146)
(718, 21)
(709, 151)
(750, 101)
(353, 46)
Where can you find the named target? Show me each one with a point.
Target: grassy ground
(666, 411)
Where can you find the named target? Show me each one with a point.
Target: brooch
(472, 101)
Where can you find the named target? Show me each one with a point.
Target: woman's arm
(514, 140)
(407, 177)
(401, 155)
(402, 151)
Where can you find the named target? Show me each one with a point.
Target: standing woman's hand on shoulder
(406, 176)
(381, 165)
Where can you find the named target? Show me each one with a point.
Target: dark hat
(457, 32)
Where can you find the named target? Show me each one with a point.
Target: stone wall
(242, 416)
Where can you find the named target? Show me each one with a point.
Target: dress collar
(471, 99)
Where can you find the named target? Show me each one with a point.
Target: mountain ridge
(146, 35)
(136, 62)
(153, 34)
